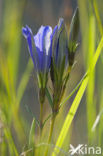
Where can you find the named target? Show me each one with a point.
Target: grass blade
(90, 99)
(31, 134)
(49, 97)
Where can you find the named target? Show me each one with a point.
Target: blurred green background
(18, 82)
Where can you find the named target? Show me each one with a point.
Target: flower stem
(41, 118)
(51, 132)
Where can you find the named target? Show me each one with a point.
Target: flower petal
(59, 44)
(42, 42)
(42, 38)
(27, 32)
(40, 46)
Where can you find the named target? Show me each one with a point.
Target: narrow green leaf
(7, 133)
(90, 99)
(32, 115)
(11, 145)
(32, 134)
(73, 91)
(99, 21)
(49, 116)
(49, 97)
(74, 27)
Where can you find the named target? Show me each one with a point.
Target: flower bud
(59, 51)
(59, 62)
(73, 36)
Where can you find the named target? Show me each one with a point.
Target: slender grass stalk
(98, 17)
(51, 132)
(8, 136)
(40, 126)
(100, 91)
(12, 147)
(91, 108)
(89, 44)
(41, 118)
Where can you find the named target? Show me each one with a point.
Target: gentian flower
(59, 43)
(59, 52)
(59, 62)
(63, 51)
(40, 50)
(51, 50)
(41, 43)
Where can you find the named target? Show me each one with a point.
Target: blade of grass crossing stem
(73, 91)
(76, 102)
(91, 108)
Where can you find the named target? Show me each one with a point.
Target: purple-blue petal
(61, 23)
(59, 42)
(42, 42)
(27, 32)
(54, 31)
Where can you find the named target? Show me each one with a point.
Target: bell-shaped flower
(59, 52)
(59, 62)
(40, 50)
(59, 43)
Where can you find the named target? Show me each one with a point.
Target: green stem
(41, 126)
(51, 132)
(41, 118)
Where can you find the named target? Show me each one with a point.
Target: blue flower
(39, 47)
(60, 44)
(59, 53)
(47, 45)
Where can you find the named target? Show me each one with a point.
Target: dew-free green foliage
(16, 135)
(10, 91)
